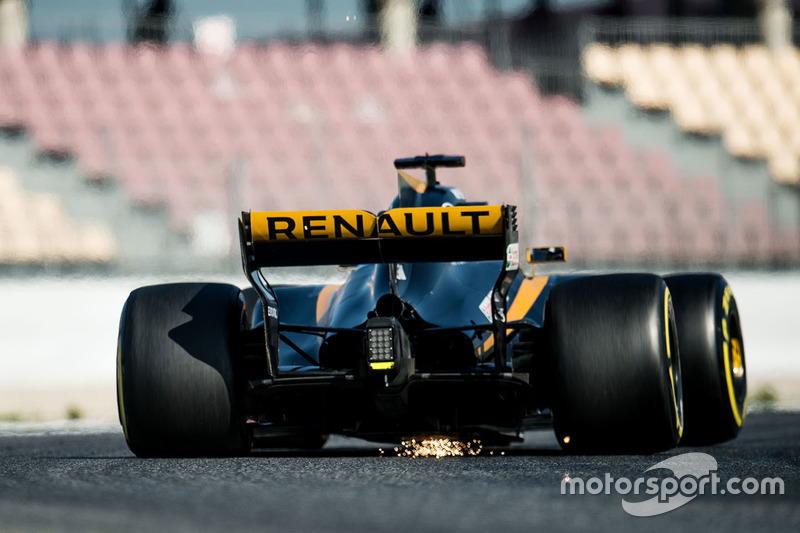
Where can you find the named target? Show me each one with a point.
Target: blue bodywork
(445, 295)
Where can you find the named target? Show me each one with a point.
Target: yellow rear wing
(417, 234)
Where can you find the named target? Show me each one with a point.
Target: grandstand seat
(748, 95)
(36, 228)
(642, 79)
(331, 118)
(741, 142)
(601, 64)
(784, 165)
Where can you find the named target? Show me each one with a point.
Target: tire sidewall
(609, 346)
(177, 378)
(709, 331)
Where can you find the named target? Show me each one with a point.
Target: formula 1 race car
(434, 333)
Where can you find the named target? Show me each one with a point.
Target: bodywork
(437, 276)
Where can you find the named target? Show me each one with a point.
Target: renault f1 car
(435, 333)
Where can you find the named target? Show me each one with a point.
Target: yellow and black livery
(435, 331)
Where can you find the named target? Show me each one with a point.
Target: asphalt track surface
(87, 480)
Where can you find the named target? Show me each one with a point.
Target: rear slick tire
(712, 355)
(176, 370)
(617, 379)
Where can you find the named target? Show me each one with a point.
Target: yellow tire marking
(729, 381)
(726, 299)
(732, 348)
(667, 336)
(666, 323)
(736, 354)
(122, 416)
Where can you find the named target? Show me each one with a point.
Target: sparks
(438, 448)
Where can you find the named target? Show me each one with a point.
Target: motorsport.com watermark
(693, 474)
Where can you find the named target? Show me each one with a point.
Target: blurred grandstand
(132, 145)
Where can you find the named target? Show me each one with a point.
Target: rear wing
(404, 235)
